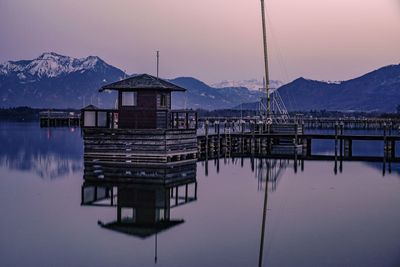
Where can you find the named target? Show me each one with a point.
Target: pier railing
(166, 119)
(361, 123)
(58, 114)
(99, 118)
(51, 118)
(182, 119)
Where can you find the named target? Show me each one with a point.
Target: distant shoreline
(29, 114)
(25, 114)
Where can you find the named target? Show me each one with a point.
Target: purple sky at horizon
(212, 40)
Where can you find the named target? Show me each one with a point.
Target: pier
(187, 138)
(354, 123)
(255, 138)
(59, 119)
(247, 144)
(258, 140)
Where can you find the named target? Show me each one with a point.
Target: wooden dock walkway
(59, 119)
(261, 145)
(252, 137)
(310, 123)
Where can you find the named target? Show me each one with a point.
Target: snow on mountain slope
(56, 81)
(252, 84)
(48, 65)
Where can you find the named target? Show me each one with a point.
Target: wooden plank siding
(138, 119)
(148, 113)
(167, 174)
(136, 145)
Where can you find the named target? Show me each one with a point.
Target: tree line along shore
(28, 114)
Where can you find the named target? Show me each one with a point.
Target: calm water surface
(314, 217)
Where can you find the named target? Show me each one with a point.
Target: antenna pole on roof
(158, 61)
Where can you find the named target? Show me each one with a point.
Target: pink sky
(212, 40)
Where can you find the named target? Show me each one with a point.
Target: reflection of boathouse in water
(144, 128)
(143, 199)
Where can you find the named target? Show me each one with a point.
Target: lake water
(314, 217)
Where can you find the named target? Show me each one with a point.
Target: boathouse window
(101, 119)
(129, 98)
(163, 100)
(89, 118)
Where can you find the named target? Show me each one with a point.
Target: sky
(211, 40)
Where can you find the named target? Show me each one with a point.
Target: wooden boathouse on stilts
(143, 129)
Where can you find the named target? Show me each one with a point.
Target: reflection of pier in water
(262, 167)
(255, 150)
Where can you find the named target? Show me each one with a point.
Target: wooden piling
(341, 139)
(336, 139)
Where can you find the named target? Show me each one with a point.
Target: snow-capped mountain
(49, 65)
(53, 80)
(252, 84)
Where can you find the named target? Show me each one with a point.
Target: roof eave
(104, 88)
(143, 81)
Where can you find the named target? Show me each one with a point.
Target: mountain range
(376, 91)
(57, 81)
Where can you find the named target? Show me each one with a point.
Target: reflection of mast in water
(267, 171)
(155, 249)
(260, 257)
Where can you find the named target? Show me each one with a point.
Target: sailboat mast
(264, 29)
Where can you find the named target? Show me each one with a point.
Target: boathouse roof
(142, 230)
(143, 81)
(91, 107)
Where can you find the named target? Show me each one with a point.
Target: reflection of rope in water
(272, 168)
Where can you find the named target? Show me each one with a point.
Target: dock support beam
(393, 147)
(308, 147)
(348, 148)
(341, 140)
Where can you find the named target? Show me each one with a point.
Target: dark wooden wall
(144, 114)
